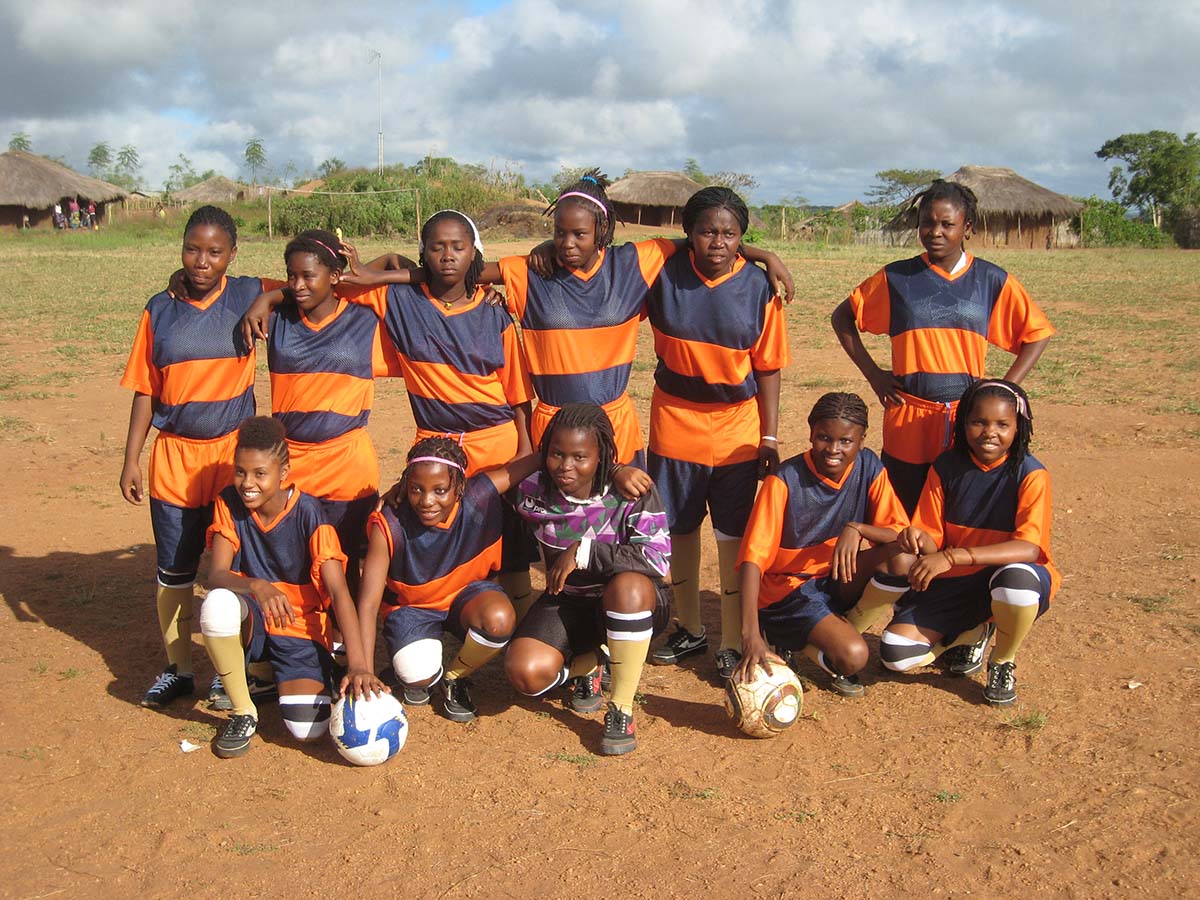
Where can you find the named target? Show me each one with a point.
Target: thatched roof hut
(217, 189)
(30, 185)
(1013, 211)
(652, 198)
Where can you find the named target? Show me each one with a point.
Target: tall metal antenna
(374, 56)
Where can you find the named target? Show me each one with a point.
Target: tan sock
(261, 670)
(731, 595)
(583, 663)
(626, 659)
(229, 659)
(877, 598)
(685, 580)
(970, 636)
(811, 651)
(175, 620)
(1012, 627)
(519, 590)
(476, 650)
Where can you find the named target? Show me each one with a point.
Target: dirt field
(1088, 787)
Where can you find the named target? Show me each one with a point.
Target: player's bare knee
(629, 592)
(849, 658)
(497, 620)
(900, 564)
(529, 675)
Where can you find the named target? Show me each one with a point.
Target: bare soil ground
(1088, 787)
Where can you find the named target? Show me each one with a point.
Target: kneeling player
(276, 569)
(806, 581)
(606, 558)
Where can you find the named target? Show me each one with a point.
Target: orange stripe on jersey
(515, 272)
(444, 382)
(141, 374)
(582, 350)
(207, 380)
(321, 392)
(714, 363)
(940, 350)
(652, 256)
(374, 297)
(308, 606)
(1016, 319)
(887, 510)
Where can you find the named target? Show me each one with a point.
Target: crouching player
(433, 553)
(606, 558)
(806, 582)
(276, 569)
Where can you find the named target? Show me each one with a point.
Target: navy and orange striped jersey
(322, 374)
(940, 323)
(430, 565)
(463, 368)
(710, 336)
(190, 357)
(967, 504)
(287, 552)
(799, 515)
(580, 328)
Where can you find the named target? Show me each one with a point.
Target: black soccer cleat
(456, 702)
(169, 686)
(727, 660)
(679, 646)
(620, 733)
(587, 695)
(234, 739)
(967, 659)
(1001, 687)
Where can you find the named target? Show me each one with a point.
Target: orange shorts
(709, 434)
(918, 431)
(486, 448)
(345, 468)
(190, 473)
(620, 412)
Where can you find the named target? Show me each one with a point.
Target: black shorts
(575, 625)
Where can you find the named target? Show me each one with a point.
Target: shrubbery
(1106, 223)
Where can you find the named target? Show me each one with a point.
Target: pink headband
(326, 246)
(589, 197)
(1022, 409)
(436, 459)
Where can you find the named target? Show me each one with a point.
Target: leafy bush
(1106, 223)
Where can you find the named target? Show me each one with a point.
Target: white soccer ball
(766, 705)
(369, 731)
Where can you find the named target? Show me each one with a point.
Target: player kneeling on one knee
(276, 568)
(982, 532)
(807, 581)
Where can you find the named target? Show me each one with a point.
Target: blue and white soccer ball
(370, 731)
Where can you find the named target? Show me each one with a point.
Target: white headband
(603, 208)
(474, 231)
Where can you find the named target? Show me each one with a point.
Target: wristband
(617, 467)
(949, 556)
(769, 437)
(971, 555)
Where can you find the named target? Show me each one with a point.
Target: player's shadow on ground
(709, 718)
(105, 601)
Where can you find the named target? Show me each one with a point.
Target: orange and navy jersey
(430, 565)
(711, 336)
(967, 504)
(940, 323)
(463, 368)
(322, 374)
(287, 552)
(580, 328)
(799, 515)
(190, 357)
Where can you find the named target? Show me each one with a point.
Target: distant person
(91, 211)
(73, 206)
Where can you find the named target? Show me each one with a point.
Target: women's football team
(529, 446)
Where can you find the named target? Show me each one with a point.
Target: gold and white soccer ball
(768, 703)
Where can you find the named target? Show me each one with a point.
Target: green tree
(331, 167)
(893, 186)
(181, 175)
(256, 157)
(736, 181)
(1161, 171)
(20, 141)
(99, 159)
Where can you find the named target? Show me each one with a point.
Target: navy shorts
(349, 520)
(292, 658)
(787, 623)
(908, 479)
(519, 548)
(179, 535)
(689, 489)
(410, 624)
(575, 625)
(951, 606)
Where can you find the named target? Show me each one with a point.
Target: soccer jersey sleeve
(515, 271)
(514, 374)
(886, 509)
(872, 304)
(652, 256)
(645, 543)
(1033, 510)
(374, 297)
(930, 516)
(1016, 319)
(765, 527)
(323, 545)
(141, 374)
(222, 524)
(770, 351)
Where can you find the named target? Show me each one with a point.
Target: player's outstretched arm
(141, 412)
(359, 679)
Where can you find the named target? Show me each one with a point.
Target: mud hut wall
(641, 214)
(1016, 232)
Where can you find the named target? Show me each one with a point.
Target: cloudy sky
(812, 98)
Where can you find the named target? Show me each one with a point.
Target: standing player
(721, 341)
(276, 569)
(193, 379)
(982, 529)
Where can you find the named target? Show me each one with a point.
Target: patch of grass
(581, 760)
(799, 816)
(681, 790)
(1030, 722)
(1152, 603)
(70, 672)
(197, 732)
(28, 754)
(39, 667)
(948, 796)
(252, 849)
